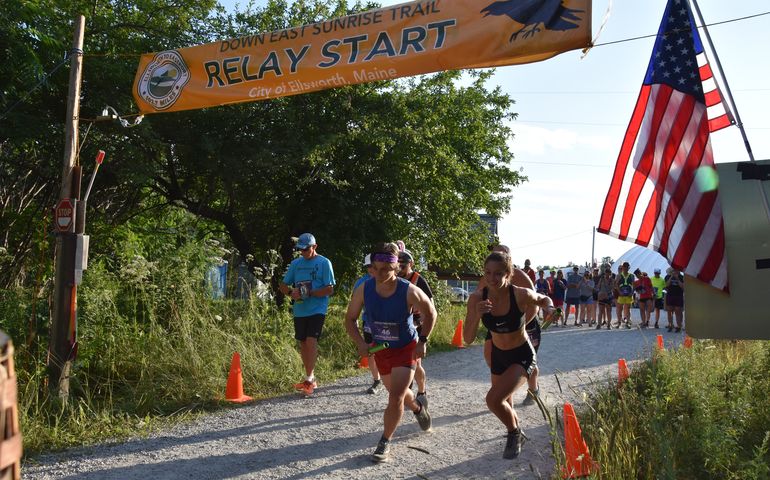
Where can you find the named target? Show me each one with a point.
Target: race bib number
(625, 291)
(385, 332)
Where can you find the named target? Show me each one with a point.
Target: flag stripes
(655, 197)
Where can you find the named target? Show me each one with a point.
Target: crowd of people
(593, 295)
(395, 304)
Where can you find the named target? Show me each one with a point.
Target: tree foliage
(414, 159)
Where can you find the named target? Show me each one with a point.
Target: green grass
(698, 413)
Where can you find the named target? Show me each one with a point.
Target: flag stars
(682, 81)
(678, 69)
(666, 74)
(683, 12)
(669, 47)
(680, 41)
(684, 51)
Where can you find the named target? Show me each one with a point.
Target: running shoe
(513, 443)
(598, 326)
(375, 388)
(382, 452)
(531, 395)
(656, 326)
(422, 398)
(306, 387)
(423, 417)
(678, 329)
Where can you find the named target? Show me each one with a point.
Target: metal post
(593, 246)
(61, 344)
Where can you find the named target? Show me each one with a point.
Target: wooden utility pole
(62, 344)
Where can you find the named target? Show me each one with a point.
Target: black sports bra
(507, 323)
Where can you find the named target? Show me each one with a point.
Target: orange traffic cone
(579, 462)
(457, 340)
(660, 342)
(687, 341)
(622, 371)
(234, 391)
(364, 362)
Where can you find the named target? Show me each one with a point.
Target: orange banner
(407, 39)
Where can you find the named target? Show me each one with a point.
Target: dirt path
(332, 434)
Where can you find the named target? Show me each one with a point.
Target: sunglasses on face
(306, 249)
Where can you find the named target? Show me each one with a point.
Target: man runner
(406, 265)
(389, 302)
(312, 282)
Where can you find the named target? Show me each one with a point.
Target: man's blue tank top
(389, 319)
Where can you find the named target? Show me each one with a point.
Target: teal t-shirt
(310, 275)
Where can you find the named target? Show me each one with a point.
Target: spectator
(658, 286)
(586, 298)
(643, 289)
(528, 270)
(675, 299)
(573, 295)
(543, 286)
(605, 287)
(624, 283)
(559, 289)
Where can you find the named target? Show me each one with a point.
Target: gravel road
(332, 434)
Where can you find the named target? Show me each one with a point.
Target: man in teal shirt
(309, 281)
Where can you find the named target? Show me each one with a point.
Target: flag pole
(728, 92)
(729, 95)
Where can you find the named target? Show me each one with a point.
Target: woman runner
(501, 306)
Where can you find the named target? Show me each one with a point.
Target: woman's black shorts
(523, 355)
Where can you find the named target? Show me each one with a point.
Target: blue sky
(573, 112)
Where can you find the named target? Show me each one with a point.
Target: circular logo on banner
(163, 80)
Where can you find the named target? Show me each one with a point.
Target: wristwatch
(422, 339)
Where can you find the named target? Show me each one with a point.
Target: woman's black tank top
(507, 323)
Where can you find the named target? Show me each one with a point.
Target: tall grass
(698, 413)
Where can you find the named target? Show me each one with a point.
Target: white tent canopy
(642, 258)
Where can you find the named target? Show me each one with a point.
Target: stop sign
(64, 215)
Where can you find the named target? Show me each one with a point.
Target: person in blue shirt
(309, 281)
(389, 302)
(376, 380)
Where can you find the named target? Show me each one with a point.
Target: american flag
(654, 199)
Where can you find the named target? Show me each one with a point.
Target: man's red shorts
(391, 358)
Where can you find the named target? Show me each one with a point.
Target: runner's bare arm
(423, 304)
(528, 297)
(521, 279)
(323, 291)
(472, 317)
(351, 320)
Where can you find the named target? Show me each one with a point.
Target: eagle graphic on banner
(531, 13)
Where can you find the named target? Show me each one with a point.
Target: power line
(24, 97)
(706, 25)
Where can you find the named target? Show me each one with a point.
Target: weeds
(690, 414)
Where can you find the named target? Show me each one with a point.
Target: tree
(415, 159)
